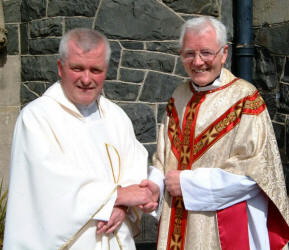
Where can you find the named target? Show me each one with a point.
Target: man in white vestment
(75, 163)
(217, 156)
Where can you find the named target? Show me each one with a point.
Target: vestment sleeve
(211, 189)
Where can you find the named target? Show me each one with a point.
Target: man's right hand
(154, 188)
(133, 195)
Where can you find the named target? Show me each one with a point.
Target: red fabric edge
(278, 229)
(233, 227)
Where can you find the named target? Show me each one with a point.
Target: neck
(87, 110)
(208, 84)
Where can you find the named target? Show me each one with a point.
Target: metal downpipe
(244, 48)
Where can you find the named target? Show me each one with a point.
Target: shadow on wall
(3, 56)
(3, 39)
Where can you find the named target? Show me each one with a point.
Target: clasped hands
(144, 196)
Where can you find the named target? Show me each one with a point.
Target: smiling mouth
(85, 88)
(199, 70)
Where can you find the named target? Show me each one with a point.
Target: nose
(86, 78)
(197, 60)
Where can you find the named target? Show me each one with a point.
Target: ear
(60, 68)
(225, 53)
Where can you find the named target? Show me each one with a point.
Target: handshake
(144, 196)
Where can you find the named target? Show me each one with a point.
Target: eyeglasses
(205, 55)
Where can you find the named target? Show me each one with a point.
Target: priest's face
(202, 56)
(83, 73)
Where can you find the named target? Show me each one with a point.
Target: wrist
(119, 196)
(124, 208)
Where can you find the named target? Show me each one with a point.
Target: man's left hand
(172, 181)
(117, 217)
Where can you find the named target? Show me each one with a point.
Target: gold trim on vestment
(80, 231)
(76, 235)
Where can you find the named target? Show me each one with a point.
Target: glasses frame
(198, 53)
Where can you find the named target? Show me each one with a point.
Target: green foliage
(3, 205)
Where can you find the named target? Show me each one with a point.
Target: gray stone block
(284, 98)
(279, 118)
(148, 60)
(32, 9)
(279, 63)
(143, 119)
(46, 27)
(78, 22)
(279, 130)
(121, 91)
(12, 38)
(287, 153)
(72, 8)
(227, 17)
(165, 47)
(132, 45)
(285, 77)
(180, 70)
(31, 90)
(274, 38)
(137, 20)
(270, 99)
(161, 112)
(39, 68)
(130, 75)
(44, 46)
(159, 87)
(24, 38)
(265, 76)
(151, 148)
(114, 61)
(11, 10)
(150, 228)
(204, 7)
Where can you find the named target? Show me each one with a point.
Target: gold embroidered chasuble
(228, 128)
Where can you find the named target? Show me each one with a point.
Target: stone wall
(145, 67)
(271, 29)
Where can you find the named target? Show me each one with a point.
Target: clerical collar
(215, 84)
(90, 111)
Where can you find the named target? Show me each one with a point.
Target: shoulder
(112, 110)
(183, 89)
(244, 86)
(241, 86)
(39, 109)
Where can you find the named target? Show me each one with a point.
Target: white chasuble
(226, 128)
(64, 173)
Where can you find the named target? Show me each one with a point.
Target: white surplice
(65, 169)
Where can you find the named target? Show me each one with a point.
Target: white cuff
(105, 212)
(211, 189)
(156, 176)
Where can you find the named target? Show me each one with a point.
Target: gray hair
(86, 39)
(198, 24)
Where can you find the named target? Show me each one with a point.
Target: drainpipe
(244, 48)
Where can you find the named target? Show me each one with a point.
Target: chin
(200, 82)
